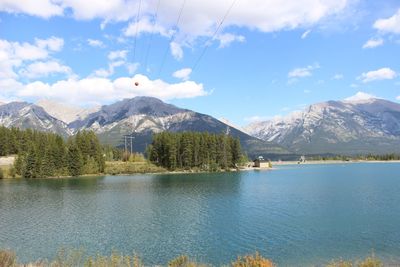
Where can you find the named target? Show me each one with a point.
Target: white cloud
(118, 54)
(338, 76)
(199, 18)
(116, 59)
(26, 51)
(103, 72)
(104, 90)
(398, 98)
(176, 50)
(95, 43)
(389, 25)
(44, 69)
(354, 85)
(303, 72)
(53, 43)
(13, 55)
(145, 25)
(111, 69)
(132, 67)
(305, 34)
(360, 96)
(183, 74)
(257, 118)
(372, 43)
(375, 75)
(40, 8)
(227, 38)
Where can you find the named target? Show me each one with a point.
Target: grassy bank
(120, 168)
(77, 258)
(6, 171)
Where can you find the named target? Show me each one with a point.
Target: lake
(294, 215)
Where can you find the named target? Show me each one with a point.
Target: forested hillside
(194, 150)
(46, 154)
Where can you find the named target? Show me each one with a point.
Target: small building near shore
(260, 162)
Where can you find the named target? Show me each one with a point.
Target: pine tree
(32, 166)
(194, 150)
(74, 159)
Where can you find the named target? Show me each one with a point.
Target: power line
(151, 37)
(172, 37)
(137, 30)
(213, 36)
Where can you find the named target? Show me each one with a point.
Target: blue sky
(268, 58)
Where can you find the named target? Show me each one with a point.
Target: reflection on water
(295, 214)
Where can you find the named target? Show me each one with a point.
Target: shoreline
(166, 172)
(321, 162)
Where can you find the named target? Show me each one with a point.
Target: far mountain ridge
(29, 116)
(339, 127)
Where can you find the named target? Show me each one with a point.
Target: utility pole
(131, 145)
(125, 145)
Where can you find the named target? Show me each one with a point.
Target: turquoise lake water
(295, 215)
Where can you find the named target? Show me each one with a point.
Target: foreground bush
(72, 258)
(370, 261)
(184, 261)
(7, 258)
(252, 261)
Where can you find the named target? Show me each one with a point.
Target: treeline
(381, 157)
(46, 154)
(191, 150)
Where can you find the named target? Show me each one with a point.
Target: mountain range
(352, 126)
(138, 117)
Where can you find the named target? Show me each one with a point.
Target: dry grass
(7, 171)
(255, 260)
(184, 261)
(7, 258)
(370, 261)
(72, 258)
(340, 263)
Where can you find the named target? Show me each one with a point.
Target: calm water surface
(295, 215)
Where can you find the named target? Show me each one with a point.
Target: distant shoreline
(321, 162)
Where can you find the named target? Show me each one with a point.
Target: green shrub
(11, 172)
(118, 167)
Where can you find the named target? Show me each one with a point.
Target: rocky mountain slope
(139, 117)
(25, 115)
(142, 116)
(353, 126)
(64, 112)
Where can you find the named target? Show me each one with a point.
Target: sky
(242, 60)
